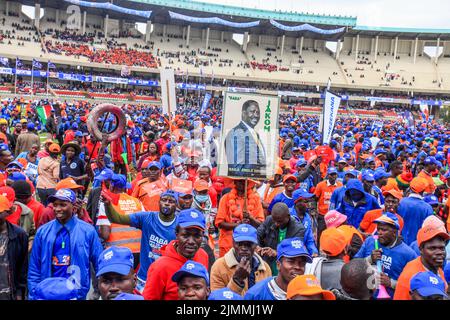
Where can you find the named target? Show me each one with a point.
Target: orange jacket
(410, 270)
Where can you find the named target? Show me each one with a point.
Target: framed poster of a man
(249, 136)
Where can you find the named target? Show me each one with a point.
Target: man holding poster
(250, 140)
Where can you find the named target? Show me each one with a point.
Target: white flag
(330, 111)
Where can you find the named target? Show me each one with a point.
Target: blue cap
(17, 176)
(105, 174)
(301, 162)
(120, 181)
(15, 163)
(389, 218)
(115, 259)
(348, 144)
(191, 268)
(78, 134)
(57, 288)
(370, 159)
(354, 173)
(191, 218)
(128, 296)
(245, 232)
(154, 164)
(430, 160)
(368, 176)
(379, 151)
(74, 126)
(428, 284)
(332, 170)
(431, 199)
(63, 195)
(380, 174)
(30, 126)
(224, 294)
(4, 147)
(301, 193)
(292, 247)
(387, 144)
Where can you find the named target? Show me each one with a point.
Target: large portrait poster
(248, 144)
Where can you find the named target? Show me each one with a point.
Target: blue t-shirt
(393, 259)
(61, 254)
(260, 291)
(281, 197)
(155, 234)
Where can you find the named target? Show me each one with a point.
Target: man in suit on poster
(246, 155)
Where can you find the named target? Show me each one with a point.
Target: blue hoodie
(308, 238)
(413, 211)
(356, 212)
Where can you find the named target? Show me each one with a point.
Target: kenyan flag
(43, 112)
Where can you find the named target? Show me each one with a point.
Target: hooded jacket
(85, 248)
(356, 211)
(159, 285)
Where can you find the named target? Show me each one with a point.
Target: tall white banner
(168, 97)
(330, 111)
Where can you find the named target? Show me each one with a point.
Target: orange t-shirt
(224, 214)
(323, 193)
(403, 283)
(369, 226)
(149, 193)
(431, 186)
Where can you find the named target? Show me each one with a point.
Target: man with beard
(393, 253)
(431, 240)
(116, 275)
(292, 257)
(187, 246)
(64, 245)
(192, 281)
(158, 229)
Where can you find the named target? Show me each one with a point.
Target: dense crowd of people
(146, 215)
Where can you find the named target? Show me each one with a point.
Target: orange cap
(393, 192)
(307, 285)
(349, 232)
(418, 185)
(23, 161)
(431, 231)
(279, 171)
(289, 177)
(201, 185)
(332, 241)
(5, 204)
(68, 183)
(432, 221)
(8, 192)
(54, 148)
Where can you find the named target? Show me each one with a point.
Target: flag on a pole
(205, 103)
(43, 112)
(330, 111)
(19, 63)
(51, 65)
(37, 64)
(4, 61)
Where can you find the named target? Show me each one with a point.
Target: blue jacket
(336, 197)
(308, 238)
(413, 211)
(355, 213)
(85, 248)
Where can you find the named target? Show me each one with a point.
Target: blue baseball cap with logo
(430, 160)
(224, 294)
(193, 269)
(245, 232)
(368, 176)
(380, 174)
(56, 288)
(15, 163)
(293, 247)
(120, 181)
(63, 195)
(301, 193)
(105, 174)
(191, 218)
(128, 296)
(428, 284)
(389, 218)
(332, 170)
(4, 147)
(301, 162)
(154, 164)
(115, 259)
(431, 199)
